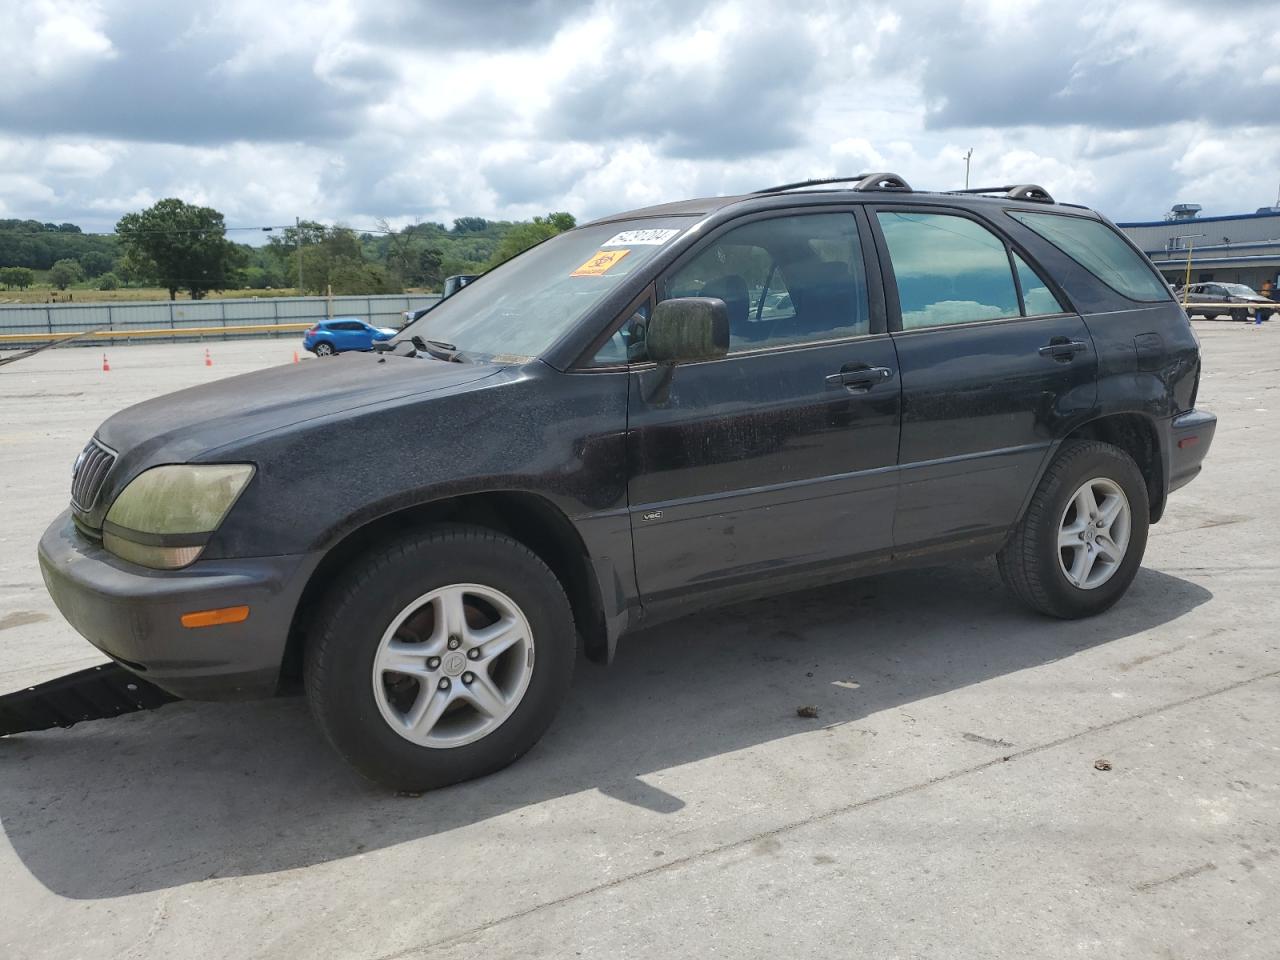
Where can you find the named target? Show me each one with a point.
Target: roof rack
(1016, 191)
(862, 181)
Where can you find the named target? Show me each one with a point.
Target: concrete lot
(944, 804)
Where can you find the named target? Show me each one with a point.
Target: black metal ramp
(94, 694)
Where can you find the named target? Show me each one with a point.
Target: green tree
(522, 236)
(331, 256)
(265, 278)
(20, 277)
(430, 272)
(182, 247)
(470, 225)
(349, 276)
(561, 221)
(64, 273)
(108, 281)
(95, 263)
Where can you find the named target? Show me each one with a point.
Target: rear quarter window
(1100, 250)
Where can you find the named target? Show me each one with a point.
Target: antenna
(967, 157)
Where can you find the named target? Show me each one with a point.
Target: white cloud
(78, 159)
(48, 39)
(426, 111)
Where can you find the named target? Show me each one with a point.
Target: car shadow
(192, 791)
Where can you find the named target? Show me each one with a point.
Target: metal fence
(183, 319)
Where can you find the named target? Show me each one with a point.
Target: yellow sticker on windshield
(600, 262)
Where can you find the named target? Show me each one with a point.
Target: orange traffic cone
(295, 356)
(208, 360)
(106, 367)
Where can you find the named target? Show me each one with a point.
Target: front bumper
(1186, 443)
(132, 614)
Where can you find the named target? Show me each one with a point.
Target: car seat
(826, 297)
(732, 289)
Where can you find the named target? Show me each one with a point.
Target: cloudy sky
(344, 111)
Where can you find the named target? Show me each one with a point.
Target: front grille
(91, 469)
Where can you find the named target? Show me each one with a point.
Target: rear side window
(1097, 248)
(948, 269)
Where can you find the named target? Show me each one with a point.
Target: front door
(993, 365)
(777, 461)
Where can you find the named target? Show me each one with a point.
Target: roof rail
(1016, 191)
(861, 181)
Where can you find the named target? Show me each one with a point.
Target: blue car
(342, 334)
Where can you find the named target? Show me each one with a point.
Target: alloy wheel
(453, 665)
(1093, 533)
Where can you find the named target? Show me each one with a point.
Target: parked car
(424, 538)
(330, 337)
(451, 286)
(1219, 293)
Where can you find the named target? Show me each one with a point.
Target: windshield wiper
(438, 349)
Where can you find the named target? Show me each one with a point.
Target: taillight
(313, 331)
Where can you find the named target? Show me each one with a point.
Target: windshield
(1239, 290)
(521, 307)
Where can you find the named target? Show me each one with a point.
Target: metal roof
(1191, 221)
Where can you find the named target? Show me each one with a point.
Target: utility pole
(967, 157)
(1186, 285)
(297, 238)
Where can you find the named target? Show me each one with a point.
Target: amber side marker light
(212, 618)
(1187, 442)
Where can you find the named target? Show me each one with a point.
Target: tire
(365, 709)
(1210, 316)
(325, 350)
(1034, 566)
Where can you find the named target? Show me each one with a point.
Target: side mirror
(687, 329)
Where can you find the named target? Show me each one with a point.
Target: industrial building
(1241, 248)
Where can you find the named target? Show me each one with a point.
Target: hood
(183, 426)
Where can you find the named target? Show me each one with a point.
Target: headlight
(164, 518)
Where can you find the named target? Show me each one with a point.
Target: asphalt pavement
(947, 800)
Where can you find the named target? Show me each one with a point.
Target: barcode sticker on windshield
(599, 263)
(635, 238)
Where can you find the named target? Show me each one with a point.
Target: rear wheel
(1081, 541)
(325, 350)
(1210, 316)
(446, 658)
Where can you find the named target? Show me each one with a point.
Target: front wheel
(445, 658)
(1079, 545)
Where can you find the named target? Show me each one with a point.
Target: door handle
(1060, 348)
(859, 379)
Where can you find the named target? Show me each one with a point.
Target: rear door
(994, 366)
(778, 461)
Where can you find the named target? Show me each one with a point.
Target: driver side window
(785, 280)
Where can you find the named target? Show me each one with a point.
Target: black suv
(675, 407)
